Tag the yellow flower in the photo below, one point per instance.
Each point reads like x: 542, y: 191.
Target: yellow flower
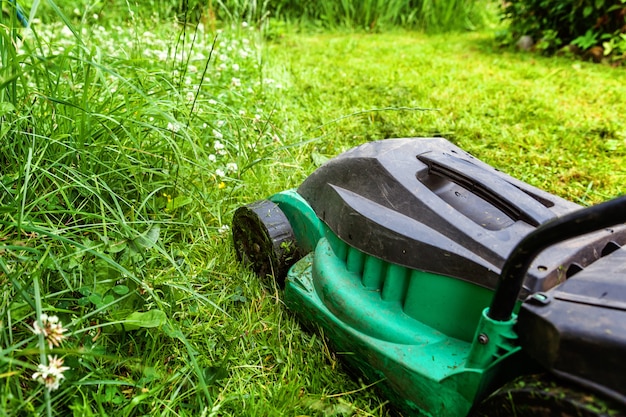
x: 221, y: 185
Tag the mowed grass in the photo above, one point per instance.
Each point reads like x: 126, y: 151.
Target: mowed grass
x: 554, y: 122
x: 178, y: 149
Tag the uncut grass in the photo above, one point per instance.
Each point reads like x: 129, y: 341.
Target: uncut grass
x: 117, y: 176
x: 377, y: 15
x: 371, y: 15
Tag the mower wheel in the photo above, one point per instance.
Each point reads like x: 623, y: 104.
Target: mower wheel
x: 544, y: 396
x: 264, y: 239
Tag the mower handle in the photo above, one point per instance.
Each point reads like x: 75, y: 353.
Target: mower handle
x: 514, y: 202
x: 562, y: 228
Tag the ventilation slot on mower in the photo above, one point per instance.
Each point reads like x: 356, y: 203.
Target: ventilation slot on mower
x: 609, y: 248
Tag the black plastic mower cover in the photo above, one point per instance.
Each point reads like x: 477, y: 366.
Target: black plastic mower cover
x: 427, y: 204
x: 578, y: 329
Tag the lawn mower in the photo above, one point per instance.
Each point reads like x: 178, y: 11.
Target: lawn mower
x: 461, y: 289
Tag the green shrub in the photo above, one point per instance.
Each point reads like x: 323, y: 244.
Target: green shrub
x: 584, y: 24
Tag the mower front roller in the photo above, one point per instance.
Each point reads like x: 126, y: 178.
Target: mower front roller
x: 272, y: 235
x: 264, y: 239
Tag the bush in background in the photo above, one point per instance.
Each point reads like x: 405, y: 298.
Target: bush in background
x: 594, y: 28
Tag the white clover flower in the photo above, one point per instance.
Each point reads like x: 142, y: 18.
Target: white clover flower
x: 224, y: 229
x: 212, y: 158
x: 235, y: 67
x: 174, y: 127
x: 220, y: 173
x: 218, y: 146
x: 190, y: 96
x: 65, y: 31
x: 50, y: 375
x: 236, y: 82
x: 244, y: 24
x: 218, y: 135
x: 231, y: 167
x: 51, y: 329
x: 162, y: 55
x: 212, y: 102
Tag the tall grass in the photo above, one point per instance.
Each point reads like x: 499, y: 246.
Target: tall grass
x: 116, y: 152
x: 429, y: 15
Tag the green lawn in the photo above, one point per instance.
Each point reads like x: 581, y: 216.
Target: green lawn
x: 127, y: 149
x: 556, y: 123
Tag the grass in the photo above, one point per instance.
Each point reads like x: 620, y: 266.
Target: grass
x: 127, y: 143
x: 553, y: 122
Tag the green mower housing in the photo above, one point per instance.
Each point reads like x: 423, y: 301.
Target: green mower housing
x: 459, y: 289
